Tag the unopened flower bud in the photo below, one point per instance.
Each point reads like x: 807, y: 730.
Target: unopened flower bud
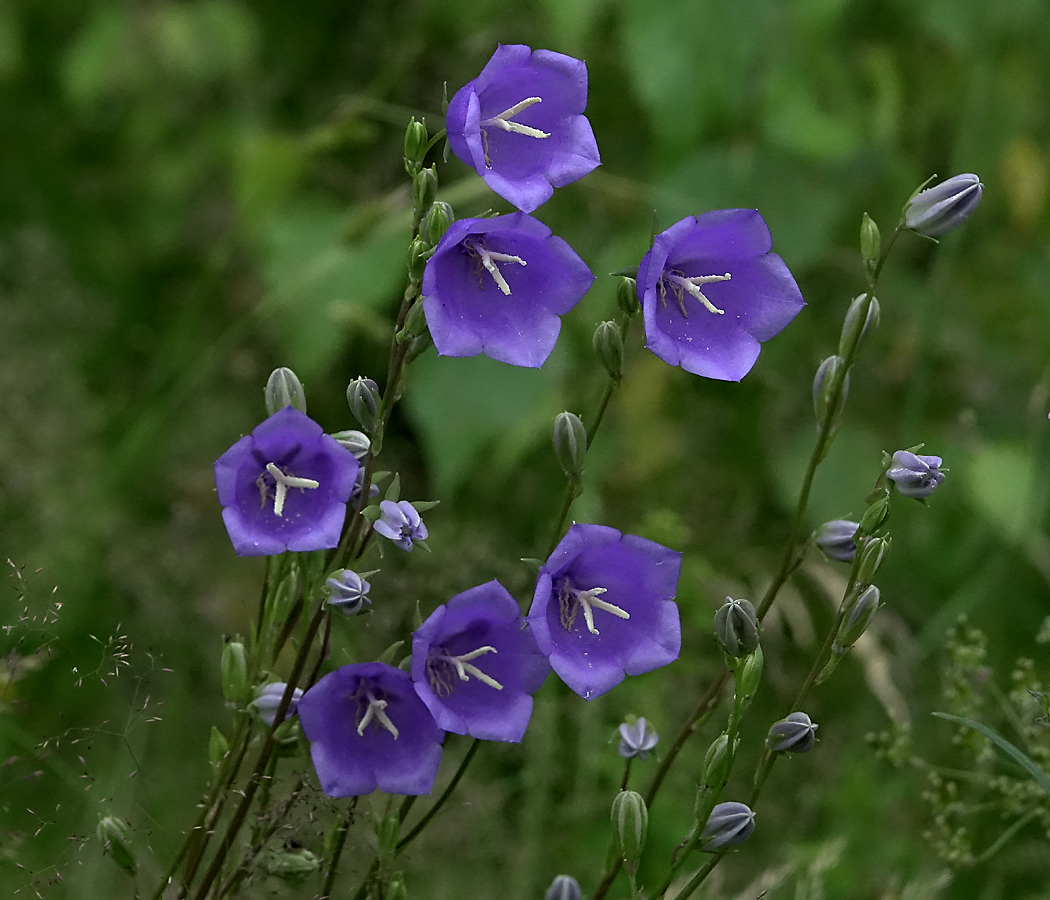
x: 290, y: 864
x: 418, y: 254
x: 570, y: 444
x: 794, y: 734
x: 637, y: 738
x: 115, y: 834
x: 609, y: 346
x: 945, y: 206
x: 872, y: 555
x: 749, y: 675
x: 387, y: 830
x: 416, y: 320
x: 736, y: 627
x: 363, y: 396
x: 863, y: 315
x: 717, y: 762
x: 830, y: 374
x: 218, y: 746
x: 233, y: 667
x: 283, y: 388
x: 269, y: 700
x: 876, y: 514
x: 630, y: 820
x: 858, y: 618
x: 415, y: 146
x: 396, y: 888
x: 729, y: 823
x: 348, y: 592
x: 424, y: 188
x: 357, y: 442
x: 627, y: 296
x: 436, y: 221
x: 870, y: 242
x: 835, y: 539
x: 915, y: 476
x: 564, y: 887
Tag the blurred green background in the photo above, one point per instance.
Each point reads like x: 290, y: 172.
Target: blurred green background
x: 194, y: 193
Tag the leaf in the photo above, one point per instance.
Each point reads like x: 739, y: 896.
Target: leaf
x: 422, y: 506
x: 1018, y: 756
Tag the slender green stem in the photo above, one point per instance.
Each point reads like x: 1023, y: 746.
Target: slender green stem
x: 337, y: 850
x: 445, y: 794
x: 626, y: 774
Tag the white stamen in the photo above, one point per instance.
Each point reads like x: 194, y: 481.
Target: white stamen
x: 376, y: 710
x: 465, y: 669
x: 283, y: 483
x: 692, y: 285
x: 489, y: 260
x: 503, y: 120
x: 587, y: 599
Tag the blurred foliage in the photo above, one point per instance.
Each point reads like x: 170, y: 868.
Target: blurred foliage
x: 192, y: 193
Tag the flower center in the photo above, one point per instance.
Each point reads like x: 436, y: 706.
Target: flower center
x: 487, y: 259
x: 374, y: 713
x: 443, y: 669
x: 681, y: 284
x: 571, y: 601
x: 282, y: 481
x: 505, y: 120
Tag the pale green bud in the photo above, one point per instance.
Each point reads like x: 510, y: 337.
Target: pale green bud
x: 415, y: 145
x: 717, y: 762
x: 870, y: 242
x: 283, y: 388
x: 570, y: 444
x: 871, y: 556
x: 218, y: 746
x: 863, y: 315
x: 627, y: 296
x: 288, y: 864
x: 609, y: 346
x: 630, y: 820
x: 115, y: 834
x: 233, y: 666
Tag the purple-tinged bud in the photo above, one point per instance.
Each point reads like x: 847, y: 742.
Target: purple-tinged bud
x: 637, y: 738
x: 269, y: 699
x: 877, y: 513
x: 630, y: 820
x: 564, y: 887
x: 830, y: 374
x: 233, y: 667
x: 348, y: 592
x: 871, y: 557
x: 870, y: 242
x: 357, y: 442
x: 835, y: 539
x: 570, y: 444
x: 283, y: 388
x: 717, y: 762
x: 424, y: 189
x: 627, y: 297
x: 945, y: 206
x: 218, y: 746
x: 863, y: 314
x: 362, y: 394
x: 794, y: 734
x: 415, y: 146
x: 749, y: 675
x: 858, y: 618
x: 290, y: 864
x: 400, y: 522
x: 915, y: 476
x: 436, y: 222
x: 115, y: 834
x: 736, y: 628
x: 729, y: 823
x: 609, y: 346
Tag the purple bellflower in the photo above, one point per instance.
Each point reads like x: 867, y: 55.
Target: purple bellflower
x: 285, y: 487
x: 603, y: 608
x: 476, y: 666
x: 498, y: 286
x: 520, y: 124
x: 915, y: 476
x: 637, y: 739
x: 945, y: 206
x: 269, y: 699
x: 711, y: 290
x: 368, y: 730
x: 399, y: 522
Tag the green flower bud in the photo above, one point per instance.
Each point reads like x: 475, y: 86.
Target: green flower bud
x: 436, y: 222
x: 387, y: 830
x: 627, y: 296
x: 218, y: 746
x: 395, y: 888
x: 418, y: 254
x: 749, y: 675
x: 356, y: 442
x: 863, y: 315
x: 115, y: 834
x: 609, y: 346
x: 570, y: 444
x: 291, y: 864
x: 871, y: 557
x: 870, y: 242
x: 362, y: 394
x: 283, y: 388
x: 415, y: 145
x: 736, y: 628
x: 630, y: 820
x: 876, y: 514
x: 233, y: 666
x: 858, y: 618
x: 717, y: 762
x: 830, y: 374
x: 424, y: 188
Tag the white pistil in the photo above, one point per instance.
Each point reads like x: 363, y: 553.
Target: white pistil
x: 376, y: 710
x: 489, y: 260
x: 587, y: 599
x: 283, y: 483
x: 692, y: 286
x: 465, y: 669
x: 504, y: 119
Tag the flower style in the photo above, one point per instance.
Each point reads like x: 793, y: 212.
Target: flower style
x: 399, y: 522
x: 520, y: 124
x: 603, y: 608
x: 711, y: 290
x: 269, y: 699
x: 915, y: 476
x: 498, y: 286
x: 367, y: 730
x: 476, y: 666
x: 945, y: 206
x: 285, y: 487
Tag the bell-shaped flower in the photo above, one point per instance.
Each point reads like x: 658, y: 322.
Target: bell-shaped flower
x: 399, y: 522
x: 498, y: 286
x: 915, y: 476
x: 520, y: 124
x: 637, y: 738
x: 711, y: 291
x: 348, y: 592
x: 603, y: 608
x: 285, y: 487
x: 476, y: 666
x: 945, y: 206
x: 368, y: 730
x: 730, y: 823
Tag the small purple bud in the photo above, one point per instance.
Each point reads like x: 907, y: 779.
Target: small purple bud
x: 348, y: 592
x: 736, y: 628
x: 945, y: 206
x: 269, y: 699
x: 835, y: 538
x: 399, y: 522
x: 915, y: 476
x: 794, y: 734
x: 564, y: 887
x: 637, y: 739
x: 730, y: 823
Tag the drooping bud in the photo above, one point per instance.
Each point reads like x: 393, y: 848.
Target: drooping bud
x: 870, y: 242
x: 717, y: 762
x: 871, y: 556
x: 945, y: 206
x: 736, y: 628
x: 630, y: 820
x: 627, y: 297
x: 415, y: 145
x: 915, y: 476
x: 858, y: 618
x: 218, y: 746
x: 290, y: 864
x: 609, y: 346
x: 637, y: 738
x: 363, y: 396
x: 729, y: 823
x: 348, y: 592
x: 794, y: 734
x: 570, y: 444
x: 835, y: 539
x: 115, y: 834
x: 830, y: 374
x: 863, y: 315
x: 233, y: 667
x: 564, y: 887
x: 283, y: 388
x: 357, y: 442
x: 424, y: 188
x: 749, y: 675
x: 876, y: 514
x: 436, y: 222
